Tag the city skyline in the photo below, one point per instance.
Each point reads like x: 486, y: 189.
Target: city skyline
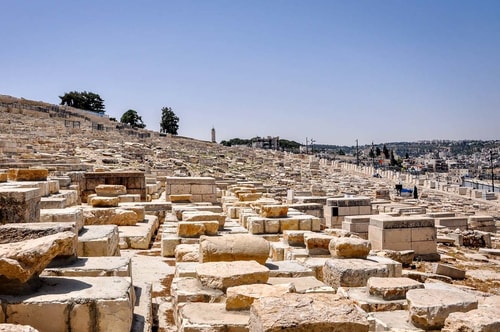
x: 334, y: 71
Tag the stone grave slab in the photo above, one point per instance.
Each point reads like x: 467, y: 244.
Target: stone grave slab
x: 99, y: 240
x: 429, y: 308
x: 74, y: 304
x: 138, y: 236
x: 70, y: 214
x: 211, y: 317
x: 110, y: 216
x: 242, y: 297
x: 306, y: 312
x: 392, y: 288
x: 93, y: 267
x: 221, y: 275
x: 21, y: 262
x: 352, y: 272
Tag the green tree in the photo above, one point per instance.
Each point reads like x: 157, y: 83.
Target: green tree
x: 132, y: 118
x: 89, y: 101
x: 393, y: 160
x: 386, y: 152
x: 371, y: 154
x: 169, y: 121
x: 378, y: 152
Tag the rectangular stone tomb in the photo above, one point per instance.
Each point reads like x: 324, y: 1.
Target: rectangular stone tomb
x: 101, y: 240
x: 404, y: 233
x: 19, y: 205
x: 140, y: 235
x: 73, y: 304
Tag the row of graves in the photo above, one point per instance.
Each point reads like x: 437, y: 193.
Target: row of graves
x: 252, y: 263
x: 244, y: 260
x: 61, y: 237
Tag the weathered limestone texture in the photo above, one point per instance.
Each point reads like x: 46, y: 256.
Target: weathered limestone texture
x: 234, y: 247
x: 221, y: 275
x: 135, y: 182
x: 99, y: 240
x: 110, y: 190
x: 103, y: 201
x: 483, y: 319
x: 273, y: 211
x: 392, y: 288
x: 242, y: 297
x: 429, y: 308
x: 352, y: 272
x: 211, y: 317
x: 32, y: 174
x: 202, y: 189
x: 197, y: 228
x: 404, y: 233
x: 74, y: 304
x: 348, y: 247
x: 306, y: 312
x: 24, y: 260
x: 19, y: 205
x: 110, y: 216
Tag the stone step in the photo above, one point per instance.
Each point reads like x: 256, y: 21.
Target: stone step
x: 74, y: 304
x: 138, y: 236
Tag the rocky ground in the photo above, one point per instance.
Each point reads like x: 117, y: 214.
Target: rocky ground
x: 29, y: 136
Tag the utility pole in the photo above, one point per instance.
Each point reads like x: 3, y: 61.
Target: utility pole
x: 357, y: 153
x: 373, y: 156
x: 307, y: 147
x: 312, y: 145
x: 492, y: 173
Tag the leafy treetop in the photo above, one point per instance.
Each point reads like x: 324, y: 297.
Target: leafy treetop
x: 169, y: 121
x: 89, y: 101
x: 133, y: 119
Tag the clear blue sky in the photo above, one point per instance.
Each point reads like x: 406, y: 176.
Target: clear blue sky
x: 332, y: 70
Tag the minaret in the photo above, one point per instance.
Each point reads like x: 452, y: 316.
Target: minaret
x: 213, y: 135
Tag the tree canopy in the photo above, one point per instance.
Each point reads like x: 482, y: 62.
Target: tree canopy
x: 169, y: 121
x: 133, y: 119
x: 89, y: 101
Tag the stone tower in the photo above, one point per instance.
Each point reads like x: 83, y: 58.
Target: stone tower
x: 213, y: 135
